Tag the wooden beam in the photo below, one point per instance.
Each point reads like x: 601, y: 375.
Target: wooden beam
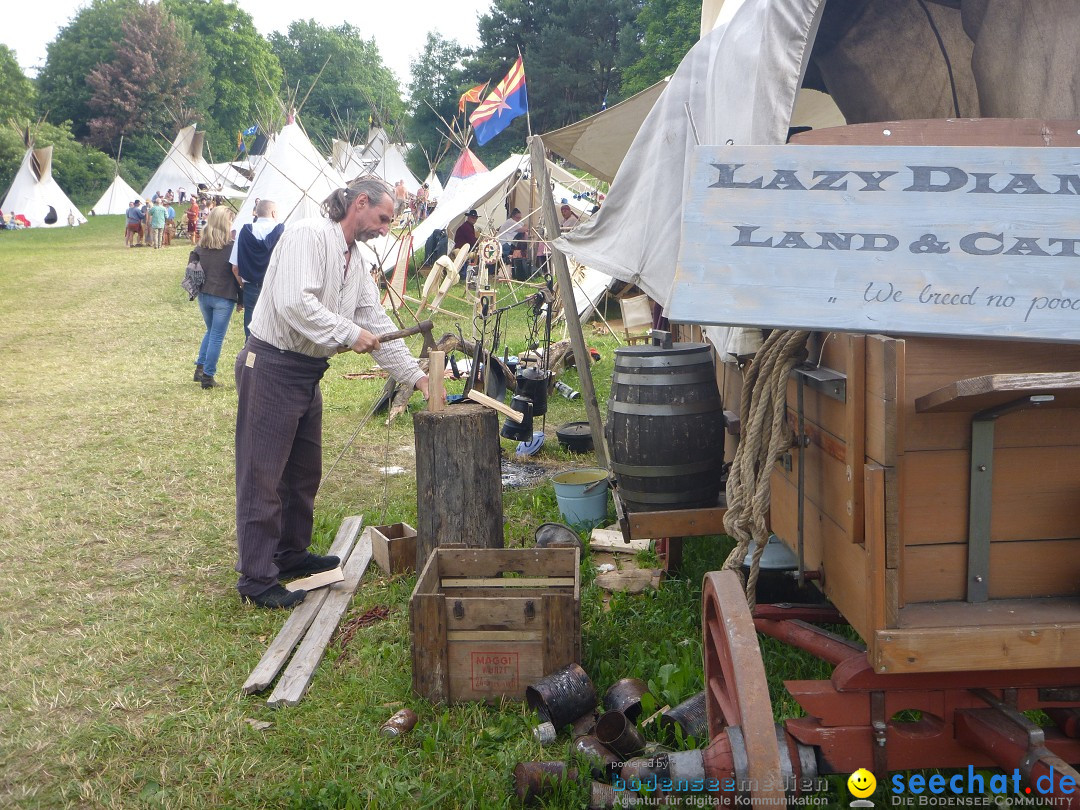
x: 436, y: 387
x: 677, y: 523
x: 501, y: 407
x: 562, y: 275
x: 300, y: 618
x: 294, y: 682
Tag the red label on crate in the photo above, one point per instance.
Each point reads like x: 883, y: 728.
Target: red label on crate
x: 494, y: 671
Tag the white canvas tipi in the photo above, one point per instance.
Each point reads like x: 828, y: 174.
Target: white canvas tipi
x: 392, y: 168
x: 185, y: 167
x: 35, y: 194
x: 116, y: 199
x: 294, y: 175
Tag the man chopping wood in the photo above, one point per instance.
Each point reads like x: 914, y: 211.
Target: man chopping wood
x: 317, y: 300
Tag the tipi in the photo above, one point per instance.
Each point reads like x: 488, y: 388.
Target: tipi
x: 185, y: 167
x: 116, y: 199
x: 35, y: 194
x: 293, y: 174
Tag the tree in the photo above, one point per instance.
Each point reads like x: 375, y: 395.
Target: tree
x: 438, y: 80
x: 155, y: 74
x: 246, y: 74
x: 341, y: 74
x: 16, y: 90
x: 666, y: 30
x: 87, y: 41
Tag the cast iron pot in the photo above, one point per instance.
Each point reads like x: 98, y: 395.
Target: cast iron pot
x: 575, y: 437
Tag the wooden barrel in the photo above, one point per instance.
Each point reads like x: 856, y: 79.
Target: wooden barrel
x: 665, y: 427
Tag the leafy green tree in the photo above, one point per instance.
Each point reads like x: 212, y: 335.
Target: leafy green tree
x: 87, y: 41
x: 246, y: 74
x: 155, y: 73
x: 342, y: 76
x: 16, y: 90
x: 666, y: 30
x: 438, y: 80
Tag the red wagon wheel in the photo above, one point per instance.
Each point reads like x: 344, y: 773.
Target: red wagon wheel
x: 736, y: 691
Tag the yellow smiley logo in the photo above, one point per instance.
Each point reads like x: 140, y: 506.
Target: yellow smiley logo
x: 861, y: 783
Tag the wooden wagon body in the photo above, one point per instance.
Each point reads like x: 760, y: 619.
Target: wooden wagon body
x: 888, y: 503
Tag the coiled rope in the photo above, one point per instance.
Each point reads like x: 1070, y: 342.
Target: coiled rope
x: 764, y: 437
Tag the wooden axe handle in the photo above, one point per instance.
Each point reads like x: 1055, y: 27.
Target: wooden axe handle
x: 423, y: 326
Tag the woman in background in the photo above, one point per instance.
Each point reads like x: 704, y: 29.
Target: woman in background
x: 220, y: 292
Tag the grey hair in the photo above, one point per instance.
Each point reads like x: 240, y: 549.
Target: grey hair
x: 337, y: 204
x: 264, y: 208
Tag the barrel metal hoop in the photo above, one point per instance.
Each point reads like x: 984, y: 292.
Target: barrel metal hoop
x: 658, y: 471
x: 687, y: 496
x: 686, y: 409
x: 703, y: 376
x: 664, y: 361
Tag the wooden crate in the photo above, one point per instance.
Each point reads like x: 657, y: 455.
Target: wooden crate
x: 486, y: 623
x: 393, y: 547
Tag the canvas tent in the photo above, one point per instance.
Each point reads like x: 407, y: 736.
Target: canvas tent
x: 36, y: 195
x: 116, y: 199
x: 392, y: 168
x: 739, y: 82
x: 293, y: 174
x: 435, y: 186
x: 185, y: 167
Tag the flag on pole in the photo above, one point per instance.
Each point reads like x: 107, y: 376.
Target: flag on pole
x: 505, y: 103
x: 474, y: 95
x: 252, y: 129
x: 240, y: 141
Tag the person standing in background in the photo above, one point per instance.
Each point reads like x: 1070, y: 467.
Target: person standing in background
x: 220, y: 292
x: 251, y: 254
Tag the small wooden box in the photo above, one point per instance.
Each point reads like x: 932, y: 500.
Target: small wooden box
x: 394, y: 547
x: 480, y: 634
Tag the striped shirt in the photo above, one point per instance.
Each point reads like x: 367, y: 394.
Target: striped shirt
x: 317, y: 295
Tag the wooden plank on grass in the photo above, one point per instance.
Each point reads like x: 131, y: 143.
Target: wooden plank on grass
x: 294, y: 682
x: 300, y: 618
x: 612, y: 540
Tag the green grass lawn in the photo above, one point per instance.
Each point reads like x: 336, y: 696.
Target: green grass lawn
x: 123, y: 644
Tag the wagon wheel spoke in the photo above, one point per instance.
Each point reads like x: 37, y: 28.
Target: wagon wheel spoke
x: 736, y: 691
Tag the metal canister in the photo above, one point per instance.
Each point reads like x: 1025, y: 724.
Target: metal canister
x: 602, y: 760
x: 625, y: 696
x: 400, y: 722
x: 563, y: 696
x: 689, y: 716
x: 533, y: 779
x: 619, y: 734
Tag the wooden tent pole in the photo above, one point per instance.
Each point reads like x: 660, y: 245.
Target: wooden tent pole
x: 562, y: 275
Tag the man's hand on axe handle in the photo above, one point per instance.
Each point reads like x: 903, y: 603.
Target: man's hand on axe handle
x: 367, y: 342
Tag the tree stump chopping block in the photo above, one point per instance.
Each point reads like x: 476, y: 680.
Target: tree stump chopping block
x: 458, y: 479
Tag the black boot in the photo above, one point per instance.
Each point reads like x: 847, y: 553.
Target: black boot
x: 209, y: 382
x: 198, y: 373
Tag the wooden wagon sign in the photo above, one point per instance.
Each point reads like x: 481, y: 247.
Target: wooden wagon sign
x: 973, y: 241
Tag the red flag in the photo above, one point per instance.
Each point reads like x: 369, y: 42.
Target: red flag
x: 473, y: 95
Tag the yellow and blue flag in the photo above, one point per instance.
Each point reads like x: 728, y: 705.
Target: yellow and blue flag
x: 505, y: 103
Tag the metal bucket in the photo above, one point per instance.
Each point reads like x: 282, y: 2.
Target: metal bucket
x: 689, y: 716
x: 615, y: 731
x: 563, y: 696
x: 625, y: 696
x: 665, y: 427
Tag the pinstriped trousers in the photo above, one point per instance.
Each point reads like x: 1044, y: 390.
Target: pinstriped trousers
x: 278, y: 460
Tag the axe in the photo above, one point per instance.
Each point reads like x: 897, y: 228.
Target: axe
x: 423, y: 328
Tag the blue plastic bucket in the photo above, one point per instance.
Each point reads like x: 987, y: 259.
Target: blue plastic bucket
x: 578, y: 506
